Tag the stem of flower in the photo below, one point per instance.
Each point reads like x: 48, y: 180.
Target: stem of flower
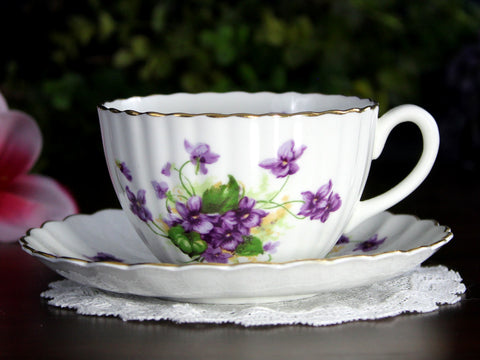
x: 276, y: 205
x: 279, y: 191
x: 195, y: 259
x: 155, y: 232
x: 118, y: 177
x: 191, y: 186
x: 181, y: 177
x: 171, y: 197
x: 159, y: 228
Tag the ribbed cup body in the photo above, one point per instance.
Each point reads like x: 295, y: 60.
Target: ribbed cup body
x: 238, y: 188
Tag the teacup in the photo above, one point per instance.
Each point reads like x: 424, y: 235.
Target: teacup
x: 251, y: 177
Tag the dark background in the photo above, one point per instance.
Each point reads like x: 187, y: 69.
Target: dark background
x: 61, y: 58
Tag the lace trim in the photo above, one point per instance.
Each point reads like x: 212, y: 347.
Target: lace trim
x: 420, y: 290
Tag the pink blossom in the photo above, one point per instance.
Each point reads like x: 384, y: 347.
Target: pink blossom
x: 26, y: 200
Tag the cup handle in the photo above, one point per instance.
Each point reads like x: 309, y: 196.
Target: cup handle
x: 428, y: 127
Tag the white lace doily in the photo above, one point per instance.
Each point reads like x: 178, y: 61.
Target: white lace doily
x: 420, y: 290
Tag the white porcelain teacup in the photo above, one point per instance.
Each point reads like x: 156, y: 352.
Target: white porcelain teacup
x: 249, y: 177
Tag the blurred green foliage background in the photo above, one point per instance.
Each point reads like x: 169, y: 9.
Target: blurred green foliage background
x: 61, y: 58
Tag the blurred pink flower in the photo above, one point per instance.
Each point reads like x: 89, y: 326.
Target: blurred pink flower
x: 26, y: 200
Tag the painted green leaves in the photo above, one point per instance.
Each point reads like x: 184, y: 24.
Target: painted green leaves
x: 190, y: 243
x: 252, y: 246
x: 221, y: 198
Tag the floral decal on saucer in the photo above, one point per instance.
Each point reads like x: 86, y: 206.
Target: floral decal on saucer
x: 221, y: 222
x: 363, y: 246
x: 103, y: 256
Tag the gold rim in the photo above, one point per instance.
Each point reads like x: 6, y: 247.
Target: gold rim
x: 373, y: 105
x: 26, y: 246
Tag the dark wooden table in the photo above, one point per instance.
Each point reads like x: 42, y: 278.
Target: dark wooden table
x: 30, y: 328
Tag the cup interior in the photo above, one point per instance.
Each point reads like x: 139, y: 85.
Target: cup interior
x: 239, y: 103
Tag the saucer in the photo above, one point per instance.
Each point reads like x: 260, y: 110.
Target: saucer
x: 102, y: 250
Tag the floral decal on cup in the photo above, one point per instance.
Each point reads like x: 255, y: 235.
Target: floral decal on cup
x: 222, y: 222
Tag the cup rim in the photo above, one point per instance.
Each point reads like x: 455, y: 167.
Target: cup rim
x: 371, y: 106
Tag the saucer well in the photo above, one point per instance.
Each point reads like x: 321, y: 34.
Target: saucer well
x: 102, y: 250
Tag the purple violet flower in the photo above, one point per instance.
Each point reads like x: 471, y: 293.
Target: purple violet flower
x: 371, y: 244
x: 231, y: 227
x: 333, y: 204
x: 271, y: 247
x: 200, y: 155
x: 192, y: 218
x: 319, y: 206
x: 343, y: 240
x: 102, y: 256
x: 226, y: 233
x: 160, y: 188
x: 227, y: 220
x: 124, y: 169
x: 248, y: 217
x: 226, y: 238
x: 315, y: 202
x: 216, y: 255
x: 166, y: 169
x: 285, y: 164
x: 172, y: 220
x: 137, y: 205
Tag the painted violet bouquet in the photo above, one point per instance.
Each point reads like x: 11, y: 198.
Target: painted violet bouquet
x: 221, y: 222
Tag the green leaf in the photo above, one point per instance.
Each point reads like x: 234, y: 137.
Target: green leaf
x: 198, y: 246
x: 221, y: 198
x: 251, y: 247
x: 176, y: 233
x: 185, y: 245
x: 189, y: 243
x: 193, y: 236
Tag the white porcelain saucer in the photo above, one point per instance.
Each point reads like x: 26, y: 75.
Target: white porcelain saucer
x: 103, y: 251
